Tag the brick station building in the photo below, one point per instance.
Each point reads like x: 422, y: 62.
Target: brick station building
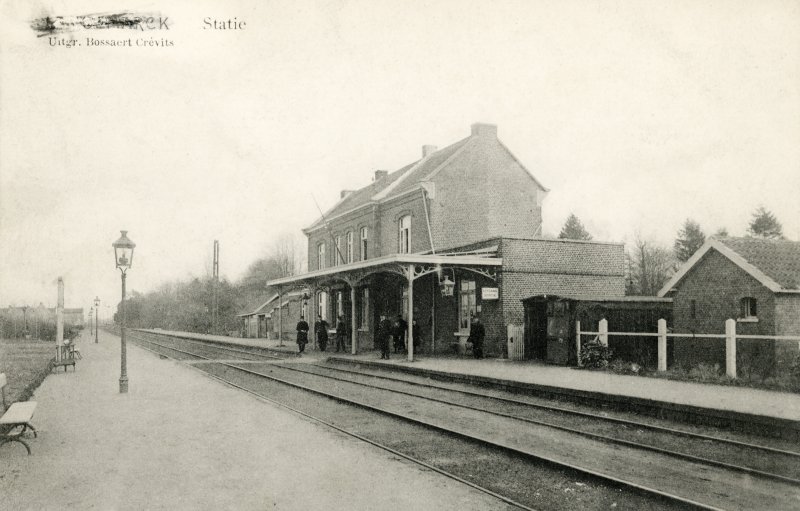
x: 469, y: 214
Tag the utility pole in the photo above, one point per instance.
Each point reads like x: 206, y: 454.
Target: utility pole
x: 215, y: 284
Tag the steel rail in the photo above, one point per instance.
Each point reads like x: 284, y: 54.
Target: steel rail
x: 350, y: 433
x: 579, y: 413
x: 593, y: 473
x: 595, y: 436
x: 626, y: 422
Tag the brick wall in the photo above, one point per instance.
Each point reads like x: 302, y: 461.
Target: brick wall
x: 787, y: 322
x: 390, y: 214
x: 351, y: 222
x: 484, y: 193
x: 717, y: 286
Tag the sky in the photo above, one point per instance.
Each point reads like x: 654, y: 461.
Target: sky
x: 635, y: 114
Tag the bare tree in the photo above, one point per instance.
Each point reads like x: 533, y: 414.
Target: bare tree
x: 651, y: 266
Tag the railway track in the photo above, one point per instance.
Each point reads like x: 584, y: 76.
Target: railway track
x: 724, y: 482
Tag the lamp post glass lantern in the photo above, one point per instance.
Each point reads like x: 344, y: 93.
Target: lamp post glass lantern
x: 123, y: 257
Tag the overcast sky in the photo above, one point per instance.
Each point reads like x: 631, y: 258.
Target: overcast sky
x: 635, y: 114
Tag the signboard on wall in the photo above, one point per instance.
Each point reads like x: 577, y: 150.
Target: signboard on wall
x: 490, y: 293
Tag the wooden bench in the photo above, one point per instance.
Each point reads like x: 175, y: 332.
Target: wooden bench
x: 16, y: 420
x: 67, y: 357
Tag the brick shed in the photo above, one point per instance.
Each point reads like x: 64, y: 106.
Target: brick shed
x: 754, y: 281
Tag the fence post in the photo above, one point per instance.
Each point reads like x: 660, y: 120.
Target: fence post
x: 662, y: 345
x: 603, y: 330
x: 578, y: 341
x: 730, y: 348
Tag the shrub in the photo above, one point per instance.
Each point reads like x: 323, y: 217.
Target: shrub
x: 620, y: 366
x: 705, y: 372
x: 595, y: 355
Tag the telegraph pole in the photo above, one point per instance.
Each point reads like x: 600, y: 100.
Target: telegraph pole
x: 215, y: 284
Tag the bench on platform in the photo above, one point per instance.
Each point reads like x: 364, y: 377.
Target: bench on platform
x: 68, y: 354
x: 16, y: 419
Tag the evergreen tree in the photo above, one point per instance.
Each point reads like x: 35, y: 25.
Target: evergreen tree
x: 689, y: 239
x: 574, y: 230
x: 765, y: 225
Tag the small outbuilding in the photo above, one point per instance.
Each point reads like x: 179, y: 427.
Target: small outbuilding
x: 752, y: 280
x: 551, y: 321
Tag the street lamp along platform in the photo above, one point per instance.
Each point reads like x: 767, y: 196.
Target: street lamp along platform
x: 123, y: 257
x: 96, y: 317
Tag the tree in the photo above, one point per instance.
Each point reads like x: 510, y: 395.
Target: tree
x: 765, y: 225
x: 573, y: 229
x: 690, y: 238
x: 722, y: 232
x: 650, y: 266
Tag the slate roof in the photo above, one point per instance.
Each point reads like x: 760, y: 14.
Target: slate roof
x: 778, y: 259
x: 408, y: 178
x: 774, y: 263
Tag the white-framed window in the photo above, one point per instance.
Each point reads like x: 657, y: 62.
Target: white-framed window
x: 365, y: 308
x: 749, y: 307
x: 349, y: 247
x: 467, y: 305
x: 404, y: 239
x: 322, y: 305
x: 321, y: 256
x: 337, y: 256
x: 364, y: 243
x: 339, y: 304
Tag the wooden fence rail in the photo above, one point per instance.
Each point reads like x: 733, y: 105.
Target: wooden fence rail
x: 730, y: 337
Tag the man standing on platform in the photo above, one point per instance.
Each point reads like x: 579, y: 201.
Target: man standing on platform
x: 302, y: 335
x: 341, y: 334
x: 400, y: 329
x: 321, y: 327
x: 385, y: 336
x: 476, y: 336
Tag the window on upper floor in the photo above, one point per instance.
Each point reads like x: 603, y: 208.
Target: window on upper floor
x: 364, y: 242
x: 321, y: 256
x: 337, y: 255
x: 348, y: 253
x: 749, y: 308
x: 404, y: 239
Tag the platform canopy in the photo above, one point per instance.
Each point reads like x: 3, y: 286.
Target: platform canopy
x: 409, y: 266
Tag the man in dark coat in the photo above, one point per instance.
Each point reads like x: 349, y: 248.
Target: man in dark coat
x: 399, y: 333
x: 302, y: 335
x: 321, y: 328
x: 384, y: 336
x: 476, y: 336
x: 417, y: 337
x: 341, y: 334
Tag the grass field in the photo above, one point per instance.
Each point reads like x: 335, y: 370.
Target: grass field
x: 25, y: 363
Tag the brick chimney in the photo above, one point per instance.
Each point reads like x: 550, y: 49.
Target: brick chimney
x: 345, y: 193
x: 380, y: 174
x: 428, y: 149
x: 484, y: 130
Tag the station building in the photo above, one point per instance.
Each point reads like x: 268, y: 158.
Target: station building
x: 454, y: 234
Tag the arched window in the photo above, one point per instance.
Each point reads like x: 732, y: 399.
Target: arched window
x: 364, y: 243
x: 349, y: 251
x: 337, y: 256
x: 749, y: 308
x: 404, y: 246
x: 321, y: 256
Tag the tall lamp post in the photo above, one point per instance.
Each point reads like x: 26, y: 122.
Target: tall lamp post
x: 123, y: 255
x: 97, y: 315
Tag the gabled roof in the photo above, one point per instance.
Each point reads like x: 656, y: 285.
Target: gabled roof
x: 774, y: 263
x: 408, y: 178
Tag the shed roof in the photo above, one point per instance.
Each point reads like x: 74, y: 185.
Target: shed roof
x: 774, y: 263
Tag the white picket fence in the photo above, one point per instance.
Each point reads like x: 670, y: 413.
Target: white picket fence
x: 730, y: 337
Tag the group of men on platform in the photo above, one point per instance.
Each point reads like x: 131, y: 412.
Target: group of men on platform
x: 388, y: 334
